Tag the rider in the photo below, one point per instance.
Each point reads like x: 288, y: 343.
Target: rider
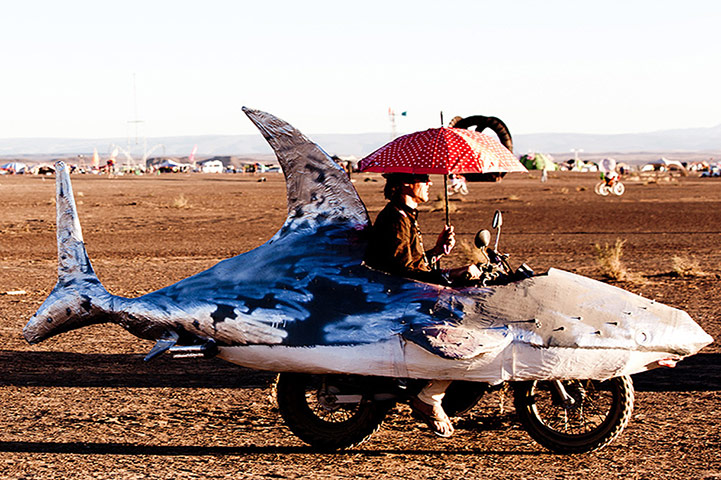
x: 457, y: 182
x: 396, y: 246
x: 607, y: 166
x: 609, y: 177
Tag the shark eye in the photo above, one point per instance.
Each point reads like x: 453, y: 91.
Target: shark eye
x: 641, y: 337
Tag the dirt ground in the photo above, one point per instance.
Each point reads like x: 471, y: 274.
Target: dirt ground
x: 85, y: 405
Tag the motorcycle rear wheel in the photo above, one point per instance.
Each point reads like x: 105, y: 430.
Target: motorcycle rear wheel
x: 600, y: 413
x: 307, y: 407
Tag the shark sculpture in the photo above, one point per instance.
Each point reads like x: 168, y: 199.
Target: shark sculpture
x: 305, y: 302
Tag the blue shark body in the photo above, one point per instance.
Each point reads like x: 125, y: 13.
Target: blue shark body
x: 305, y: 302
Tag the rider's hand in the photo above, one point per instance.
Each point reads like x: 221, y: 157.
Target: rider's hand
x: 474, y: 272
x: 464, y: 274
x: 446, y: 241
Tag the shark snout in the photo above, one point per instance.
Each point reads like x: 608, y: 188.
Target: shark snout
x: 681, y: 336
x: 691, y: 338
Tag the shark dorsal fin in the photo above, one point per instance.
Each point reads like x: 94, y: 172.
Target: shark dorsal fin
x: 319, y: 190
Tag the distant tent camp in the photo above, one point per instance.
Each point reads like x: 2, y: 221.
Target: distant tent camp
x: 573, y: 165
x: 538, y: 161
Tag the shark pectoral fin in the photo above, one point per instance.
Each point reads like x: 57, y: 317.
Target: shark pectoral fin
x: 456, y: 342
x: 167, y: 340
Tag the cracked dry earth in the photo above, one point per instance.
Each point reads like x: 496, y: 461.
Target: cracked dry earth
x: 85, y: 405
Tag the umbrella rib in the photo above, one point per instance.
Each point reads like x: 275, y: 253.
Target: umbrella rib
x: 436, y: 148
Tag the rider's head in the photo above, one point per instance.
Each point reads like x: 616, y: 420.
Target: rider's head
x: 400, y: 183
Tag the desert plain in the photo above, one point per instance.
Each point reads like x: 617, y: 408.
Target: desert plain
x: 85, y: 405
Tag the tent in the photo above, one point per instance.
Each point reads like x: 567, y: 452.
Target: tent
x: 15, y: 167
x: 212, y: 166
x: 169, y: 165
x: 43, y: 169
x: 663, y: 165
x: 538, y: 161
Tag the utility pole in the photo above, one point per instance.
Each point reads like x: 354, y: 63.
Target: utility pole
x: 137, y: 121
x: 392, y: 118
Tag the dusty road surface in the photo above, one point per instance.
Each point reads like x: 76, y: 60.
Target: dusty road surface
x: 85, y: 405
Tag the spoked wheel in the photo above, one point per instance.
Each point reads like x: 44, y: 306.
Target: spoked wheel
x: 596, y: 415
x: 618, y: 188
x: 601, y: 189
x: 310, y: 406
x: 463, y: 190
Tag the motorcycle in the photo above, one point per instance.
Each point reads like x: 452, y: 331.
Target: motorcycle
x: 304, y: 304
x: 331, y: 412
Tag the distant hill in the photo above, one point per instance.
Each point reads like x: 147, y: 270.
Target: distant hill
x: 359, y: 145
x: 680, y: 140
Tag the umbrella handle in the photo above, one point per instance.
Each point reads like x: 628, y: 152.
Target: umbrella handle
x: 445, y: 196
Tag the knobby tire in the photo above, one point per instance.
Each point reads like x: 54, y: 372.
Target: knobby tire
x: 326, y: 427
x: 601, y: 412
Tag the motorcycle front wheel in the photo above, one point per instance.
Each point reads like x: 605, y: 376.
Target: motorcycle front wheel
x: 618, y: 189
x: 308, y: 405
x: 598, y: 414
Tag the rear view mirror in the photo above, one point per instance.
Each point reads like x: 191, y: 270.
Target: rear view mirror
x: 483, y: 239
x: 497, y: 219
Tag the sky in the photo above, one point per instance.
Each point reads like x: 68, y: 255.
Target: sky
x: 99, y: 69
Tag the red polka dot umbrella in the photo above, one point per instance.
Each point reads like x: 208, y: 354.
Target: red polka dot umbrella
x: 442, y: 150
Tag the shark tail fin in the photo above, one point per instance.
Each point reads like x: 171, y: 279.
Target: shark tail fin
x: 78, y: 298
x: 72, y: 257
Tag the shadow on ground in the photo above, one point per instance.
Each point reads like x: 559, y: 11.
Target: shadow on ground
x: 194, y: 450
x: 64, y: 369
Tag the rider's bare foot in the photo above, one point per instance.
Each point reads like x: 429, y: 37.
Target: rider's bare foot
x: 433, y: 416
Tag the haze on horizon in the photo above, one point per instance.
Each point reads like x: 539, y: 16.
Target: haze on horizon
x: 82, y: 69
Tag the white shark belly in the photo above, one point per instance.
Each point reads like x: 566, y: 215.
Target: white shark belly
x: 401, y: 359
